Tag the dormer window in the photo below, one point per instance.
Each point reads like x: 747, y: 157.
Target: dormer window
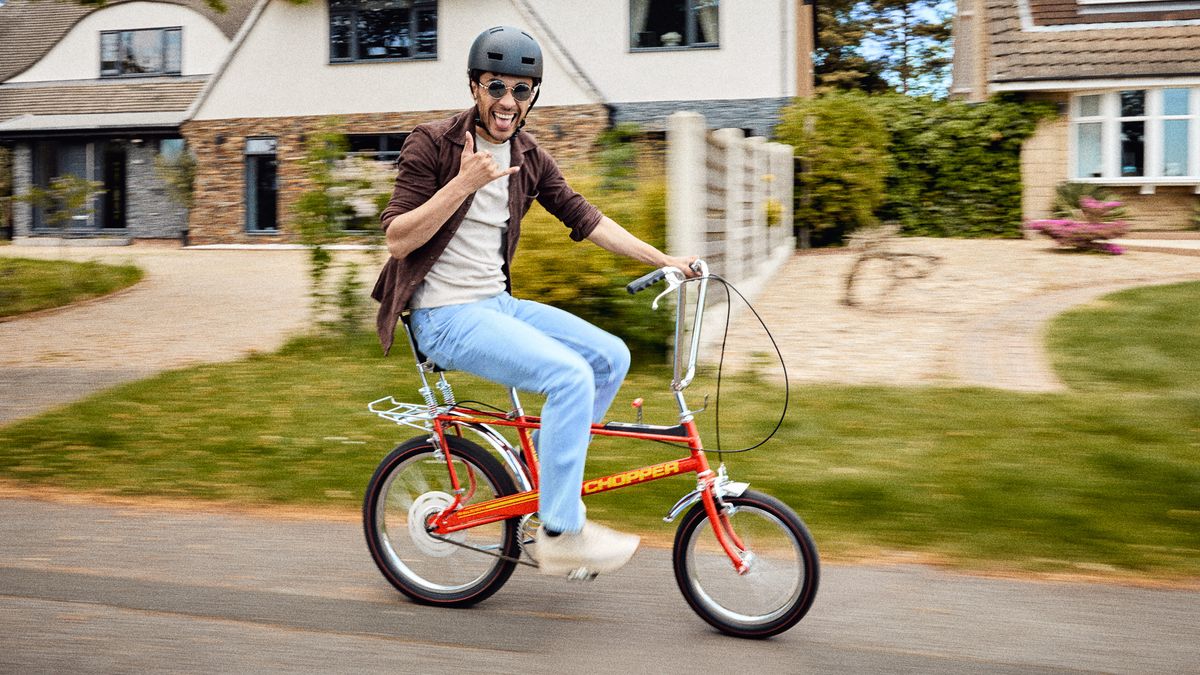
x: 382, y: 30
x: 150, y: 51
x: 668, y: 24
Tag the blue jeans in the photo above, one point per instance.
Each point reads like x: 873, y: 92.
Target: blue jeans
x: 538, y: 348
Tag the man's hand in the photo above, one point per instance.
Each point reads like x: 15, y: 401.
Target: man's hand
x: 683, y: 264
x: 477, y: 169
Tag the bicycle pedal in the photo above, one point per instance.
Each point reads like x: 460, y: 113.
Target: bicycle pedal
x: 582, y: 574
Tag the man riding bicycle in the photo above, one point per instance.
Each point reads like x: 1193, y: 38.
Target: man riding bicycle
x: 452, y: 225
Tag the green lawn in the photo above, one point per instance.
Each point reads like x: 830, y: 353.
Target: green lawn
x: 1104, y: 479
x: 30, y: 285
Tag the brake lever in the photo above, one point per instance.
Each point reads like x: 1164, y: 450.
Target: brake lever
x: 674, y: 279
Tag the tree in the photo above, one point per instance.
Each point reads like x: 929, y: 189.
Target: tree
x: 178, y: 173
x: 883, y: 45
x: 66, y: 198
x: 320, y: 216
x: 839, y: 62
x: 913, y: 37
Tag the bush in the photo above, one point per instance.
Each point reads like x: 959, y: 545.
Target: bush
x: 939, y: 168
x: 1097, y: 222
x: 956, y: 166
x: 841, y: 142
x: 588, y: 281
x: 1068, y: 200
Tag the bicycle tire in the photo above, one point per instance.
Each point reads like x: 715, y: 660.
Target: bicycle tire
x: 410, y: 484
x: 780, y: 586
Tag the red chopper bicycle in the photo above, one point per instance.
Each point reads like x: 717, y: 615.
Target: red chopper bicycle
x: 447, y: 522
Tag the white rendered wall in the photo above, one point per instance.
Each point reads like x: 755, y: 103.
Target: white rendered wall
x: 77, y: 55
x: 756, y: 57
x: 282, y: 68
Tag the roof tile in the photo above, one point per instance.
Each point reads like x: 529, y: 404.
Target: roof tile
x: 1064, y: 54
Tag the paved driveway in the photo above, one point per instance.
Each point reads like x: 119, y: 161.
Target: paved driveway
x: 193, y: 306
x: 976, y: 319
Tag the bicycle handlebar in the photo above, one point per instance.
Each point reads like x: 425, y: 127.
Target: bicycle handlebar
x: 645, y: 281
x: 676, y: 282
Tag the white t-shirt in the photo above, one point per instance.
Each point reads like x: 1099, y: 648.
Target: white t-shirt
x: 472, y: 266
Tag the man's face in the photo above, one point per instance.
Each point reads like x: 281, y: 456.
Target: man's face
x: 501, y: 116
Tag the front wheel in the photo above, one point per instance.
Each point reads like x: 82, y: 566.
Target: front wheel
x: 412, y: 485
x: 778, y: 589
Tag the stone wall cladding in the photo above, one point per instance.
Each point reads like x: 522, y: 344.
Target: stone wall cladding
x: 1169, y: 208
x: 219, y: 215
x: 757, y: 115
x: 150, y: 212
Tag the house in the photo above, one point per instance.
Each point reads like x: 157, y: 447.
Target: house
x: 245, y: 89
x: 1125, y: 75
x: 100, y: 94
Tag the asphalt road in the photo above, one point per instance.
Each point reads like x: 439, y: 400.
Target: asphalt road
x: 102, y: 588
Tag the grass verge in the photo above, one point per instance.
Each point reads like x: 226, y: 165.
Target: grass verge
x: 1101, y: 480
x: 31, y: 285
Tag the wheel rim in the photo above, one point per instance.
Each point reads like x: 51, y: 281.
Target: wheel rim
x: 772, y: 586
x: 417, y: 489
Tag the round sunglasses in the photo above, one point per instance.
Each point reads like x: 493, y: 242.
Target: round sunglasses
x: 496, y: 89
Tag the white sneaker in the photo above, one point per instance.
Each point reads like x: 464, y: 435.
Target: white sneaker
x: 593, y: 550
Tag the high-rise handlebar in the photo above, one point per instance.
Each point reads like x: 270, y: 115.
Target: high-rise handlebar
x: 677, y: 282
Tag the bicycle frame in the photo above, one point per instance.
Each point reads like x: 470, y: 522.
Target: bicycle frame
x: 438, y: 419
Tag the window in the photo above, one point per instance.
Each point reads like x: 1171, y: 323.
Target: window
x: 370, y: 30
x: 1139, y: 136
x: 90, y: 159
x: 154, y: 51
x: 171, y: 149
x: 262, y: 185
x: 656, y: 24
x: 369, y: 171
x: 379, y: 147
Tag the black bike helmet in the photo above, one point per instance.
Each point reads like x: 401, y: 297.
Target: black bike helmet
x: 507, y: 51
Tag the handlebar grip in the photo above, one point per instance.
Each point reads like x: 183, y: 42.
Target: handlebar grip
x: 645, y: 281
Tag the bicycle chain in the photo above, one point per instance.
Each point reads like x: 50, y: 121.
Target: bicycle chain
x: 486, y: 552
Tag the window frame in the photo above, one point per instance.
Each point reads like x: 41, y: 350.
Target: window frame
x: 1154, y: 116
x: 256, y: 149
x: 352, y: 14
x: 691, y: 29
x: 165, y: 72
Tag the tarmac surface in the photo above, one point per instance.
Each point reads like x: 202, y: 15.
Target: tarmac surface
x: 88, y: 587
x: 93, y: 586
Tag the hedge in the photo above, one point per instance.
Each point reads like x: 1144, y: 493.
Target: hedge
x: 951, y: 168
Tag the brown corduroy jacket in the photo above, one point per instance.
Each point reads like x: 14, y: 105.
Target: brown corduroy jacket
x: 430, y: 159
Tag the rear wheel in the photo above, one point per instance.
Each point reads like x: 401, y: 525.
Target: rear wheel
x: 411, y: 485
x: 778, y: 589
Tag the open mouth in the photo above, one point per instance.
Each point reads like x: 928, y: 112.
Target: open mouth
x: 504, y: 123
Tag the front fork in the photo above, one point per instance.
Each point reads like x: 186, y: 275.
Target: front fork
x: 710, y: 490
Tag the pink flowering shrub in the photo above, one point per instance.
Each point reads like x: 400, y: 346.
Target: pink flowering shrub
x: 1088, y: 231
